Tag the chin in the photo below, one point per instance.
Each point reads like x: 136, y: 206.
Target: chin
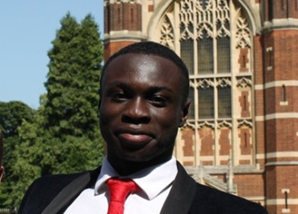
x: 136, y: 158
x: 146, y: 160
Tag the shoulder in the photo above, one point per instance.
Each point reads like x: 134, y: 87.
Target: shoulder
x: 51, y: 183
x: 212, y: 201
x: 54, y: 181
x: 44, y: 189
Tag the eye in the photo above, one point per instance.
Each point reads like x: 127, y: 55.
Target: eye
x: 118, y: 96
x: 158, y: 101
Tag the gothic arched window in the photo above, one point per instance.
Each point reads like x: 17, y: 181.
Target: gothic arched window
x: 214, y: 40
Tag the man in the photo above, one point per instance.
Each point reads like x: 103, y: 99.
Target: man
x: 1, y: 157
x: 143, y: 102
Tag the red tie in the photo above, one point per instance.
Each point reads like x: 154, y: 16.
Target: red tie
x: 119, y: 190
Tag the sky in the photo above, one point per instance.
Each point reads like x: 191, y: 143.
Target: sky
x: 27, y: 28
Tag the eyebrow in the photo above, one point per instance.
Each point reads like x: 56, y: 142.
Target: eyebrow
x: 118, y: 84
x: 160, y: 88
x: 152, y: 89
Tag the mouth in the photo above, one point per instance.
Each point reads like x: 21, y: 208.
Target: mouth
x: 134, y: 140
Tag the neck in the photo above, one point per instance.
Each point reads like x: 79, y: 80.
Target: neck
x: 125, y: 168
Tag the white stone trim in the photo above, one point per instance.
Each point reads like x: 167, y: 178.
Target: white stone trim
x: 124, y: 35
x: 283, y: 103
x: 260, y: 156
x: 276, y: 116
x: 281, y: 154
x: 255, y: 198
x: 259, y: 87
x: 282, y: 163
x: 281, y: 83
x: 284, y: 210
x: 289, y: 23
x: 281, y: 115
x: 276, y: 84
x: 259, y: 118
x: 291, y: 201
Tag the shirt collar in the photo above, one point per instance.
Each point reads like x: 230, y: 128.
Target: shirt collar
x: 152, y: 180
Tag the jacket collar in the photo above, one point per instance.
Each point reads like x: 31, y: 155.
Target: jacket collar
x: 181, y: 195
x: 179, y: 200
x: 71, y: 191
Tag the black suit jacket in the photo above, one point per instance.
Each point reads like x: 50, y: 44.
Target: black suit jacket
x: 53, y: 194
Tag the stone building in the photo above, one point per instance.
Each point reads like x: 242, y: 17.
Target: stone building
x: 242, y: 133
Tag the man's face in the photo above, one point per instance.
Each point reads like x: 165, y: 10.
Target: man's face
x: 141, y: 108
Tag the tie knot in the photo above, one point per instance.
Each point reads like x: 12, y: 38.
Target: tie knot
x: 120, y: 189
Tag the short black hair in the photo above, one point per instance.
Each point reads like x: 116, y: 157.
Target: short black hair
x: 1, y: 148
x: 153, y: 48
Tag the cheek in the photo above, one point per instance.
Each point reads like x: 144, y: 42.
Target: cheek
x: 107, y: 113
x: 168, y: 118
x: 106, y: 123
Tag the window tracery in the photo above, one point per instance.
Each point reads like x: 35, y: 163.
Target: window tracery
x: 215, y: 42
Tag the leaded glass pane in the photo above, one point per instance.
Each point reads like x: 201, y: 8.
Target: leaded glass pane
x: 205, y: 55
x: 187, y: 54
x: 224, y: 102
x: 191, y: 110
x: 223, y: 55
x: 206, y: 103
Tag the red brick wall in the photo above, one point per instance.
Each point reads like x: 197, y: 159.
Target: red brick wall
x: 225, y: 142
x: 123, y: 16
x: 188, y: 136
x: 112, y: 47
x: 281, y: 135
x: 245, y: 141
x: 259, y: 105
x: 293, y: 9
x: 260, y: 142
x: 207, y: 141
x: 243, y: 60
x: 245, y: 104
x: 278, y: 9
x: 258, y: 60
x: 267, y: 12
x: 250, y: 185
x: 284, y: 52
x: 278, y: 178
x: 274, y: 99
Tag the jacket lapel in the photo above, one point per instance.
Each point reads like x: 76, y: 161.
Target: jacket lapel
x: 70, y: 192
x: 179, y: 200
x: 181, y: 195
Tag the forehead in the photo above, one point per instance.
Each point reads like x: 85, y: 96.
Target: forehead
x: 139, y: 64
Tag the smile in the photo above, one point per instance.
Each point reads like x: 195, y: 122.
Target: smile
x: 134, y: 138
x: 134, y: 141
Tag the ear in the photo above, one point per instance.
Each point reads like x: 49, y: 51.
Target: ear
x: 184, y: 112
x: 1, y: 172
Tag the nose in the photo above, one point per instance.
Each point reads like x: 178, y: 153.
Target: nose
x: 136, y: 112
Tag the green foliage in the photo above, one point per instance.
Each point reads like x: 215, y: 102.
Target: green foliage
x: 23, y: 171
x: 71, y: 104
x: 63, y: 136
x: 12, y: 115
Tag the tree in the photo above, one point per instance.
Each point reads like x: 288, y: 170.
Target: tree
x: 64, y: 136
x: 72, y: 96
x: 12, y: 115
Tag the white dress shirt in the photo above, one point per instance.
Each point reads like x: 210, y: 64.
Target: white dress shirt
x: 155, y: 183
